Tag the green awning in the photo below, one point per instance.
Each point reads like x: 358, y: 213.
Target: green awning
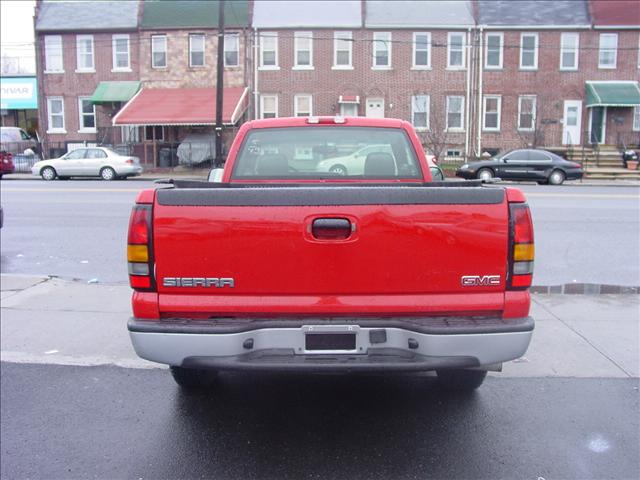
x: 613, y: 94
x: 115, y: 92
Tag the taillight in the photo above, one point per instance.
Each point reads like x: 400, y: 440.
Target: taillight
x: 521, y: 245
x: 129, y: 161
x: 139, y: 249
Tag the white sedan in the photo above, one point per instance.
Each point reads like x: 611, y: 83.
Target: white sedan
x: 89, y: 162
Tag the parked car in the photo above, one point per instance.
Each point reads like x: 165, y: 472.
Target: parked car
x: 89, y: 162
x: 352, y: 164
x: 379, y: 299
x: 15, y: 140
x: 6, y: 163
x: 524, y: 164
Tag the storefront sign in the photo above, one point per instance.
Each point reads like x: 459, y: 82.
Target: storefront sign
x: 18, y: 93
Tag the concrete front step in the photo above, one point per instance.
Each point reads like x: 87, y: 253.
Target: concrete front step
x: 600, y: 173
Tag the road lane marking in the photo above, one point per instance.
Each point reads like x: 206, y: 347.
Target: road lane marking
x: 580, y: 195
x: 67, y: 190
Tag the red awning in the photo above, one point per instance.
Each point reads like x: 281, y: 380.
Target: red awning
x: 349, y: 99
x: 182, y: 106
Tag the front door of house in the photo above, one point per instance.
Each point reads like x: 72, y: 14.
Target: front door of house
x: 596, y: 124
x: 375, y: 107
x: 572, y: 122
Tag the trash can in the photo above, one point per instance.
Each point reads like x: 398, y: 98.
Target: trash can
x: 164, y: 158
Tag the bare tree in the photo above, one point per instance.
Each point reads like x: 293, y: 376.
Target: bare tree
x: 539, y: 117
x: 436, y: 138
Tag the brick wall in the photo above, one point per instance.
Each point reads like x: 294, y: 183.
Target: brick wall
x: 178, y: 72
x: 70, y: 85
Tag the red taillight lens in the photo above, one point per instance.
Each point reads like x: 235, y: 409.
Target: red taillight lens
x: 129, y: 161
x: 521, y: 246
x: 139, y: 225
x: 139, y: 249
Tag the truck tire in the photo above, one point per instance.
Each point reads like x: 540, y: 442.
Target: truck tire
x: 461, y: 380
x: 193, y: 378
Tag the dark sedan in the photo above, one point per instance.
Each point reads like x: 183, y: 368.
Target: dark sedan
x: 525, y: 164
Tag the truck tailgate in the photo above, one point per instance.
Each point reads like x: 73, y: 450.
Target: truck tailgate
x: 407, y: 250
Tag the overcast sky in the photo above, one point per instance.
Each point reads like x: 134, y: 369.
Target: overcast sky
x: 16, y: 31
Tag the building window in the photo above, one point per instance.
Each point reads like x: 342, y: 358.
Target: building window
x: 154, y: 132
x: 493, y: 50
x: 159, y: 51
x: 526, y: 112
x: 638, y: 52
x: 268, y: 106
x: 381, y: 49
x: 420, y: 111
x: 196, y: 50
x: 569, y: 43
x: 608, y: 53
x: 455, y: 107
x: 303, y: 46
x: 55, y: 111
x: 342, y: 45
x: 53, y: 54
x: 231, y: 50
x: 302, y: 105
x: 130, y: 133
x: 421, y: 50
x: 491, y: 113
x: 349, y: 109
x: 529, y: 51
x: 84, y: 50
x: 269, y: 50
x: 636, y: 118
x: 121, y: 56
x: 87, y: 115
x: 455, y: 50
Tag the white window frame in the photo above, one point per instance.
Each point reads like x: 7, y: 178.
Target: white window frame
x: 450, y: 35
x: 193, y: 36
x: 535, y: 51
x: 114, y: 40
x: 461, y: 127
x: 49, y: 46
x: 227, y: 41
x: 427, y: 99
x: 165, y: 51
x: 297, y: 37
x: 263, y: 36
x: 500, y: 51
x: 639, y: 51
x: 81, y: 116
x: 498, y: 111
x: 50, y: 128
x: 636, y: 118
x: 533, y: 113
x: 380, y: 40
x: 275, y: 103
x: 576, y: 50
x: 601, y: 49
x: 345, y: 106
x: 296, y: 102
x: 415, y: 66
x: 347, y: 37
x: 79, y: 40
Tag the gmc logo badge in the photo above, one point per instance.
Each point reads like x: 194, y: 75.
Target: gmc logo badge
x: 480, y: 280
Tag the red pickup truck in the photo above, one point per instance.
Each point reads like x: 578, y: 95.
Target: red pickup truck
x: 288, y: 264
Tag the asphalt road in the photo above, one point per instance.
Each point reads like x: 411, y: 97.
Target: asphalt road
x: 77, y: 229
x: 109, y: 422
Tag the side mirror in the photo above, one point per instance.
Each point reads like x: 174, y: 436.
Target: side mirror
x: 215, y: 175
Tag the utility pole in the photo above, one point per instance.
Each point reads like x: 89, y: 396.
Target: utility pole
x: 220, y: 85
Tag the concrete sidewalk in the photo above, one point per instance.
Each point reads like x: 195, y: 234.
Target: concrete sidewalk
x: 49, y: 320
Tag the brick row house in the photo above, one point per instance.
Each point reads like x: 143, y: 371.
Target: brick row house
x: 81, y: 46
x: 472, y: 76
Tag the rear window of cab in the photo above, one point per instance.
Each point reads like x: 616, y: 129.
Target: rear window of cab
x: 325, y: 152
